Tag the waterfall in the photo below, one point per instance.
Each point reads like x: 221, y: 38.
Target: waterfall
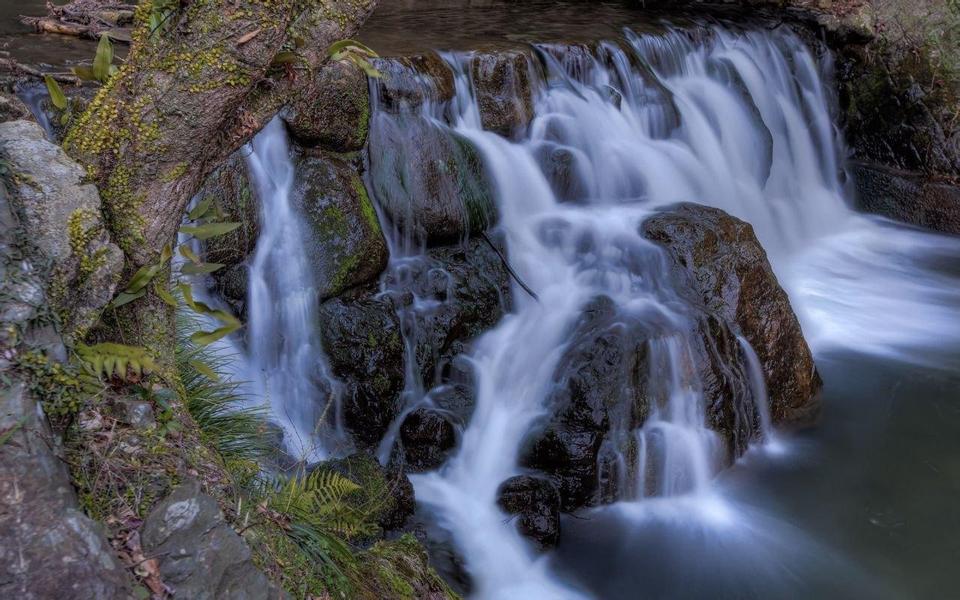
x: 739, y: 120
x: 287, y: 362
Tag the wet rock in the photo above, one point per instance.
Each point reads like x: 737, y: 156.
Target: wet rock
x: 138, y: 413
x: 601, y: 376
x: 560, y: 166
x: 409, y: 82
x: 48, y: 547
x: 429, y: 180
x: 536, y: 503
x: 361, y: 335
x: 337, y: 117
x: 200, y: 555
x: 908, y: 197
x: 732, y: 276
x: 343, y: 239
x: 502, y: 82
x: 233, y: 199
x: 427, y: 438
x: 61, y: 217
x: 468, y: 291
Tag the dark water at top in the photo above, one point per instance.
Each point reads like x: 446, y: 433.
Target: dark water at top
x: 404, y: 27
x: 24, y: 45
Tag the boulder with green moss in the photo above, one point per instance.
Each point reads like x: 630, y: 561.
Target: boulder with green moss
x: 337, y: 117
x: 343, y: 238
x: 61, y: 216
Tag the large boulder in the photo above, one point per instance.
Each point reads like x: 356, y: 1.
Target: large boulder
x: 343, y: 238
x: 61, y: 216
x: 536, y: 504
x: 362, y: 339
x: 429, y: 180
x: 502, y: 82
x: 427, y: 437
x: 410, y: 81
x: 48, y: 547
x: 439, y: 302
x: 733, y: 277
x: 338, y: 116
x: 908, y: 197
x: 200, y: 556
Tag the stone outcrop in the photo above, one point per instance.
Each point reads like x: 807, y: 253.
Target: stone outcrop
x: 62, y: 218
x: 503, y: 84
x: 908, y: 196
x: 536, y: 504
x: 338, y: 116
x: 343, y: 238
x: 48, y: 547
x: 200, y: 556
x: 732, y: 275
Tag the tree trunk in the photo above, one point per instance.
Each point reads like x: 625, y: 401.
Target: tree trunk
x: 191, y: 92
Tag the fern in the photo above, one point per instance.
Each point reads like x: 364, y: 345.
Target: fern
x: 112, y: 359
x: 323, y: 500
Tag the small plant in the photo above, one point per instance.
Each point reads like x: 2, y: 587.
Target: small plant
x: 103, y: 68
x: 355, y: 52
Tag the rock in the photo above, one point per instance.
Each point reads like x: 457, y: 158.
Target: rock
x: 343, y: 239
x: 337, y: 117
x: 138, y: 413
x: 409, y: 82
x: 560, y: 165
x: 733, y: 277
x: 61, y: 217
x: 502, y: 82
x: 536, y: 503
x: 427, y: 438
x: 908, y: 197
x: 429, y: 180
x: 602, y: 371
x: 200, y: 555
x: 361, y: 335
x: 234, y: 198
x: 12, y: 108
x: 466, y: 291
x: 48, y: 547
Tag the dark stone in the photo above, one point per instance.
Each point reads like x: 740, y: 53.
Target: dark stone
x: 337, y: 117
x: 427, y: 438
x: 429, y: 180
x: 234, y: 199
x: 343, y: 238
x: 502, y: 82
x: 908, y: 197
x: 361, y: 336
x: 200, y: 555
x: 410, y: 81
x: 560, y: 166
x: 733, y: 277
x: 600, y: 378
x: 12, y: 108
x: 536, y: 503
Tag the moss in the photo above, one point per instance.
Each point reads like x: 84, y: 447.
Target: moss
x: 367, y: 210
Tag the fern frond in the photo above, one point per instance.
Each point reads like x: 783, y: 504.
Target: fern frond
x: 111, y: 359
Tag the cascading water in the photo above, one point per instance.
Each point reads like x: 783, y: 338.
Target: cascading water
x: 737, y: 120
x: 287, y: 363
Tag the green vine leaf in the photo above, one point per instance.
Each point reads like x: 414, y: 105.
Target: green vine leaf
x: 189, y: 254
x: 200, y: 268
x: 165, y: 295
x: 200, y: 210
x: 103, y: 59
x: 209, y: 230
x: 57, y: 96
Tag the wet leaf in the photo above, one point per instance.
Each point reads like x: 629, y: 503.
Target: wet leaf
x: 103, y: 59
x: 57, y: 96
x: 126, y: 298
x: 352, y: 46
x: 284, y: 58
x: 205, y: 338
x: 189, y: 254
x: 200, y: 268
x: 85, y: 73
x: 204, y: 370
x: 247, y: 37
x: 165, y: 295
x: 209, y: 230
x: 201, y: 209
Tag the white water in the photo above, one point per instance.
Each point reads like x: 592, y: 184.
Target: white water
x: 740, y: 121
x: 286, y: 361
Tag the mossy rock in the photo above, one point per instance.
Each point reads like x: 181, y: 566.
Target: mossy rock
x: 430, y: 181
x: 410, y: 81
x: 502, y: 82
x: 344, y: 241
x: 337, y: 117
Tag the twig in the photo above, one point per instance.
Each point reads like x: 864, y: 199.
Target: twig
x: 509, y: 269
x: 61, y: 77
